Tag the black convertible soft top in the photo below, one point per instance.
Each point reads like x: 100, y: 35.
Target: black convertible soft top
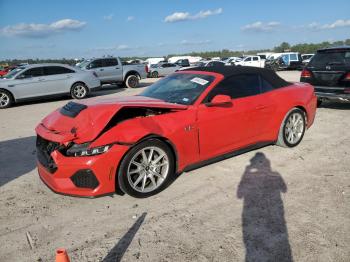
x: 228, y: 71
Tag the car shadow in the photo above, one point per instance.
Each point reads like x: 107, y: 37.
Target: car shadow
x: 265, y: 233
x: 118, y: 251
x: 17, y: 158
x: 335, y: 105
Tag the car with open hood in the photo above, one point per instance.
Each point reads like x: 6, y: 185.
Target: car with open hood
x: 191, y: 118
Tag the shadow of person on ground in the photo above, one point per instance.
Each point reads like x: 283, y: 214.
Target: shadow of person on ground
x: 118, y: 251
x: 265, y: 233
x: 17, y: 158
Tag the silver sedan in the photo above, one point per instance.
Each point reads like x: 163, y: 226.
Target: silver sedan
x: 41, y: 80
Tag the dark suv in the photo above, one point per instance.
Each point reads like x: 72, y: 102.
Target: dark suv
x: 329, y: 72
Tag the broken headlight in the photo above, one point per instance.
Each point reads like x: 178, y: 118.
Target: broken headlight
x: 84, y: 150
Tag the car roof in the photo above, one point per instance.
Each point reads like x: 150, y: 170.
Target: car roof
x: 228, y: 71
x: 45, y: 64
x: 344, y: 47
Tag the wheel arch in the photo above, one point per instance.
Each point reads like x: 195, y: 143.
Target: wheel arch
x: 79, y: 82
x: 132, y: 72
x: 147, y: 137
x: 4, y: 89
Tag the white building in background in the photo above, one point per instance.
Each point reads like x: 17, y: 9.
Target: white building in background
x: 191, y: 59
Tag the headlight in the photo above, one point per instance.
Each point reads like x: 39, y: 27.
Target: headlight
x: 84, y: 150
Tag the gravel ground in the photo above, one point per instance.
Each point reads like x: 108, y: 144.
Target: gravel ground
x: 271, y: 204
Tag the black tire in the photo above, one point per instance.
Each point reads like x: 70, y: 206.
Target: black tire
x: 125, y: 178
x: 283, y: 136
x: 6, y: 99
x: 79, y: 91
x: 132, y: 81
x: 155, y: 74
x: 319, y: 102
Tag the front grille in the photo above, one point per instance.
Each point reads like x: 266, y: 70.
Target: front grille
x: 44, y: 148
x: 85, y: 178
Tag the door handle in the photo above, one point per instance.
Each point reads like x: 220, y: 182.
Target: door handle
x: 260, y: 107
x: 101, y: 69
x: 41, y: 79
x: 117, y: 68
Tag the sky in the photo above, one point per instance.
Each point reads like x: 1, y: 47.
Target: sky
x: 90, y: 28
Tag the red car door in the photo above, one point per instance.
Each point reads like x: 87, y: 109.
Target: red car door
x: 225, y: 128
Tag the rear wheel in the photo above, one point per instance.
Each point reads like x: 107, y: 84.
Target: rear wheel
x: 292, y: 128
x: 132, y: 81
x: 79, y: 91
x: 6, y: 99
x: 155, y: 74
x: 146, y: 169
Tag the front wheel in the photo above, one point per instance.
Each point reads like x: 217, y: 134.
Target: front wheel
x: 132, y: 81
x: 6, y: 99
x: 292, y: 128
x: 79, y: 91
x: 146, y: 169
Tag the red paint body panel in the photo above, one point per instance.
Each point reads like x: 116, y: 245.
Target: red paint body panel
x: 196, y: 132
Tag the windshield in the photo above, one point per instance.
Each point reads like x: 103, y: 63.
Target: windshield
x: 84, y: 63
x: 323, y: 59
x: 179, y: 88
x: 13, y: 72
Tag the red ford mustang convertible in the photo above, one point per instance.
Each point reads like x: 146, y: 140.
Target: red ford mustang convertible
x: 191, y: 118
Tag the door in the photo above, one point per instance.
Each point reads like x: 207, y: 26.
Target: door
x: 225, y: 128
x: 29, y: 83
x: 256, y: 61
x: 113, y: 71
x: 247, y: 61
x: 97, y: 66
x: 57, y: 79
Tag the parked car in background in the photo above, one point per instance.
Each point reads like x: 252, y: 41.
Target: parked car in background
x: 181, y: 122
x: 191, y: 59
x: 306, y: 58
x: 292, y: 60
x: 255, y: 61
x: 232, y: 60
x: 329, y: 72
x: 40, y: 80
x: 209, y: 63
x: 163, y: 69
x: 182, y: 63
x: 112, y: 70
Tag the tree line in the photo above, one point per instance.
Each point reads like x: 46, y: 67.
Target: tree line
x: 283, y: 47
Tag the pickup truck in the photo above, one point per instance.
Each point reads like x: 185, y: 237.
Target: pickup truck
x: 251, y: 61
x: 112, y: 70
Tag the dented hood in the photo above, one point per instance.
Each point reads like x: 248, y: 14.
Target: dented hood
x: 82, y: 121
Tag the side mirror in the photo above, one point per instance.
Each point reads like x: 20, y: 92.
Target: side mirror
x: 220, y: 100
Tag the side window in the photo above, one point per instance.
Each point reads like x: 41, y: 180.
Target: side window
x: 96, y: 64
x: 265, y: 85
x: 293, y: 57
x: 237, y: 86
x: 247, y: 59
x: 255, y: 58
x: 57, y: 70
x: 111, y: 62
x: 172, y: 65
x: 33, y: 72
x: 210, y: 64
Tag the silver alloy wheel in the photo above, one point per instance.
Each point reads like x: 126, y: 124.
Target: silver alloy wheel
x: 4, y: 99
x: 148, y: 169
x: 132, y: 81
x: 79, y: 91
x: 294, y: 128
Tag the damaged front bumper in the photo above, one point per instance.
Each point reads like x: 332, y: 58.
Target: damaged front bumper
x: 87, y: 176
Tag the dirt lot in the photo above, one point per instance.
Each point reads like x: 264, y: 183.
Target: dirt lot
x: 271, y: 204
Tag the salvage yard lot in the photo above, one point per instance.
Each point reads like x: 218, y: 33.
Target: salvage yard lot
x: 298, y: 198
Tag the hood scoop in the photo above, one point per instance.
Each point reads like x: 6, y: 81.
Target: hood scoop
x: 72, y: 109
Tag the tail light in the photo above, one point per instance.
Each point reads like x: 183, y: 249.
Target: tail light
x: 347, y: 77
x: 146, y: 68
x: 306, y: 73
